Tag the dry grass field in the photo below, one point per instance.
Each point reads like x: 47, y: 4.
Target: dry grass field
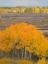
x: 39, y: 20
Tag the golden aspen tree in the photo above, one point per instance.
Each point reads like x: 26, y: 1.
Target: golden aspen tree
x: 36, y: 10
x: 24, y: 37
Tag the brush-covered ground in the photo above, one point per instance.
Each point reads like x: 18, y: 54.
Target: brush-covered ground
x: 39, y: 20
x: 23, y: 61
x: 9, y: 61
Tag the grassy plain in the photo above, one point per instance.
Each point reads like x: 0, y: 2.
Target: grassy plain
x: 39, y: 20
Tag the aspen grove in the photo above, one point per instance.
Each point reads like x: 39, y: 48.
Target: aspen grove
x: 22, y: 40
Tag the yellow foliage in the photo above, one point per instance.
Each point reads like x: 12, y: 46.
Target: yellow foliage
x: 25, y: 36
x: 42, y: 61
x: 18, y: 47
x: 37, y: 10
x: 22, y: 10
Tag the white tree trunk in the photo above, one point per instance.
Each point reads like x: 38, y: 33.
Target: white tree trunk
x: 25, y: 53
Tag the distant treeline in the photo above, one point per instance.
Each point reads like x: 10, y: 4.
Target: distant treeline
x: 23, y: 9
